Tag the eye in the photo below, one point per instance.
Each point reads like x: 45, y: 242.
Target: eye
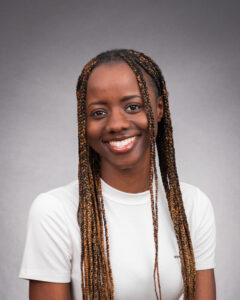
x: 132, y: 108
x: 97, y: 114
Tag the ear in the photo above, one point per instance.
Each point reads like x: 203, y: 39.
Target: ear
x: 159, y: 108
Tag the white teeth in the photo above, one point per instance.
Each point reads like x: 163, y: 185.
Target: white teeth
x: 122, y: 143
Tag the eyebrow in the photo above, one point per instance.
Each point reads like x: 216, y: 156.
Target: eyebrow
x: 125, y: 98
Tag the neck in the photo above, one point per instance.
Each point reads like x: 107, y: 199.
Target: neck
x: 132, y: 180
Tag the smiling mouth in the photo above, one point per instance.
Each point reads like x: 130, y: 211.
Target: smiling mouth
x: 123, y: 145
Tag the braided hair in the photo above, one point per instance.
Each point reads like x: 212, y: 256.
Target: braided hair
x: 96, y: 273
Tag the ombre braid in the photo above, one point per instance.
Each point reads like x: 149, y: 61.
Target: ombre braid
x: 96, y: 273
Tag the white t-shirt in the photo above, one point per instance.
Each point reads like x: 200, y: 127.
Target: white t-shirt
x: 52, y: 249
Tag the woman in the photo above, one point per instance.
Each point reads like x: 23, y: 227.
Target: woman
x: 143, y: 235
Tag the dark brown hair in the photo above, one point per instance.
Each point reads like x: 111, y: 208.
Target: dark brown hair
x: 96, y: 274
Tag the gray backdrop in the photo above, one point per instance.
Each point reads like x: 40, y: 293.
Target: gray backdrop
x: 44, y: 45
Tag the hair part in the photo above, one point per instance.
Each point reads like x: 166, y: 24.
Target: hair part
x: 96, y: 274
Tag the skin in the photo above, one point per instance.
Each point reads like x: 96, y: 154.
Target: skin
x: 115, y: 109
x: 41, y: 290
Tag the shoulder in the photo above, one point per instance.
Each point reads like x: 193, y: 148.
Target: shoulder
x: 196, y: 203
x: 193, y: 196
x: 56, y: 202
x: 64, y: 193
x: 50, y: 236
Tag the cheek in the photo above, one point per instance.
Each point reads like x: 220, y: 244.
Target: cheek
x: 93, y: 132
x: 142, y: 121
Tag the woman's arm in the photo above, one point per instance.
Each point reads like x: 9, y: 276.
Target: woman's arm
x: 205, y: 285
x: 42, y: 290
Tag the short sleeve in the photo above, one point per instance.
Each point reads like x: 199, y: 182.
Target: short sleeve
x: 47, y: 254
x: 204, y: 232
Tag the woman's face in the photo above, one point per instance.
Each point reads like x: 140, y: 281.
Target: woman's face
x: 117, y: 127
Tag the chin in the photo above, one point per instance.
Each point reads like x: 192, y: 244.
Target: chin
x: 125, y: 165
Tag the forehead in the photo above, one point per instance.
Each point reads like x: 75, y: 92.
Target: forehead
x: 112, y: 76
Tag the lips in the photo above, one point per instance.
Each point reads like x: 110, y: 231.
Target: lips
x: 123, y: 145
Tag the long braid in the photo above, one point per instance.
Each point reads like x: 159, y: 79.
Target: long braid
x: 97, y: 280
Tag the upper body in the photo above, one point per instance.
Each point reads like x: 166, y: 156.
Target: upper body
x: 52, y: 251
x: 123, y: 114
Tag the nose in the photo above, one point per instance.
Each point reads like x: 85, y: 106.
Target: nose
x: 117, y: 121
